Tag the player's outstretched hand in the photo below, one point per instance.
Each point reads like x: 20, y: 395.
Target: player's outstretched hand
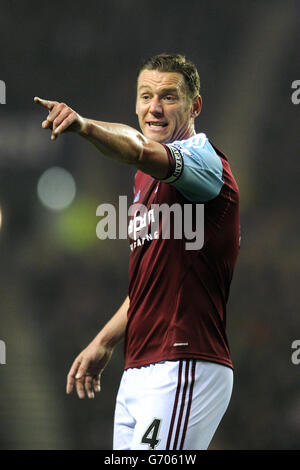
x: 86, y: 370
x: 61, y: 118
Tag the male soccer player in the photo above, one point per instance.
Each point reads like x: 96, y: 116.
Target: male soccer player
x: 178, y: 374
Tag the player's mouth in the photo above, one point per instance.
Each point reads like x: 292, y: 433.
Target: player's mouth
x: 156, y: 125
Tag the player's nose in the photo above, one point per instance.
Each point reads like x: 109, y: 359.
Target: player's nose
x: 156, y: 107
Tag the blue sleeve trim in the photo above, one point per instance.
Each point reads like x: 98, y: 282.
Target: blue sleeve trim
x: 198, y: 169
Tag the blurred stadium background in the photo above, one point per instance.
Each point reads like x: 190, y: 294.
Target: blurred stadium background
x: 60, y: 283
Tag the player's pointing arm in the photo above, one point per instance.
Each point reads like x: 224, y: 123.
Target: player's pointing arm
x: 60, y: 118
x: 117, y: 141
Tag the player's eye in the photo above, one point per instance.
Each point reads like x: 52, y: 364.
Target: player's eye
x: 169, y: 98
x: 145, y: 97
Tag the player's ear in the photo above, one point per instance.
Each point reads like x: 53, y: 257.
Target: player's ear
x: 136, y: 106
x: 196, y: 106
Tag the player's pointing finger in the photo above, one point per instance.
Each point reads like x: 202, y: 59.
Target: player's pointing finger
x: 45, y: 103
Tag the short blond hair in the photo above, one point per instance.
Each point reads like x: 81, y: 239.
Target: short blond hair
x: 175, y: 63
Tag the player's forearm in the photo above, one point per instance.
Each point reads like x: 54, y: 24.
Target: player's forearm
x: 117, y: 141
x: 114, y: 330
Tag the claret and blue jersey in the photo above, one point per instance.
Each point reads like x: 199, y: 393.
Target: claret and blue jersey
x: 177, y: 296
x: 201, y: 170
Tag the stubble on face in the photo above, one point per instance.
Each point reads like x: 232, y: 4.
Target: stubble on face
x: 163, y: 106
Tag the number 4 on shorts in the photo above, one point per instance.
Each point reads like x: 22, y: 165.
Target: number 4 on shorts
x: 150, y: 436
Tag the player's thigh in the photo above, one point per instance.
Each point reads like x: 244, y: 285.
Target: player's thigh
x: 152, y: 409
x: 211, y: 397
x: 124, y: 423
x: 182, y: 406
x: 167, y: 391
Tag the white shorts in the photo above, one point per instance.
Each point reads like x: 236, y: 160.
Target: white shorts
x: 171, y: 405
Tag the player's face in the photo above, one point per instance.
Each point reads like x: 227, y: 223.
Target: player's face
x: 164, y: 110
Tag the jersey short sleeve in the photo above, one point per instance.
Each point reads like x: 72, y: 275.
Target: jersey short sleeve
x: 197, y: 170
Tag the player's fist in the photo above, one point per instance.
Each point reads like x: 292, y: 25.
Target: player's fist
x: 61, y: 117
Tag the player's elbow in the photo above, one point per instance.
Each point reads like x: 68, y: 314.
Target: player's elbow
x: 153, y: 159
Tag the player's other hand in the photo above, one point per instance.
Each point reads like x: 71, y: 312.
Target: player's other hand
x: 61, y: 118
x: 86, y: 370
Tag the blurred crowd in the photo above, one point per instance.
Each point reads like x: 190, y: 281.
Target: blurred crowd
x: 60, y: 283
